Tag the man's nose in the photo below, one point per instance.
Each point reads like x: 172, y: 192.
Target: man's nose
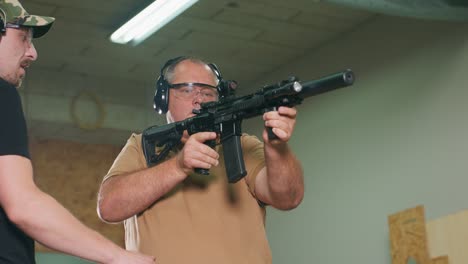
x: 197, y: 96
x: 32, y: 52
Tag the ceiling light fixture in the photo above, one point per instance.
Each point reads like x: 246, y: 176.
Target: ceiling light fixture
x: 148, y: 21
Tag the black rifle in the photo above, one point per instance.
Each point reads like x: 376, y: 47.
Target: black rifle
x: 225, y: 117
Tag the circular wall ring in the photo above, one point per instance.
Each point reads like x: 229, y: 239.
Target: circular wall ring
x: 100, y: 107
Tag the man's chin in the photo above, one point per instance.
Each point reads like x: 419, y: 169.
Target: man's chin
x: 19, y: 83
x: 15, y: 82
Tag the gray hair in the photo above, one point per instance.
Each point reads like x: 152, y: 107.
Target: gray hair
x: 169, y: 72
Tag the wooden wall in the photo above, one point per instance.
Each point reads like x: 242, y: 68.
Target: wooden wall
x: 71, y: 173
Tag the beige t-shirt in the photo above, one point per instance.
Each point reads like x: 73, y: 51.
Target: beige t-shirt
x: 203, y: 219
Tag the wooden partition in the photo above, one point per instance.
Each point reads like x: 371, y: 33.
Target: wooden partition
x: 439, y: 241
x: 71, y: 173
x: 408, y: 239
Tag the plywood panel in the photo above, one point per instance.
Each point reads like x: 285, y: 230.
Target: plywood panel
x: 71, y: 173
x: 408, y: 236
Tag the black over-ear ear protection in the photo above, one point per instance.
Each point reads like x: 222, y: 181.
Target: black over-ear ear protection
x: 2, y: 21
x: 161, y: 96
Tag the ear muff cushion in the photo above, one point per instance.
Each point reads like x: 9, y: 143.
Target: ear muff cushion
x: 161, y: 97
x: 2, y: 23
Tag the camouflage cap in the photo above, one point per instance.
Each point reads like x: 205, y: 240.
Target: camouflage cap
x: 12, y: 12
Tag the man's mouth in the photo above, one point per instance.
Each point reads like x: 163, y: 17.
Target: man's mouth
x: 25, y: 65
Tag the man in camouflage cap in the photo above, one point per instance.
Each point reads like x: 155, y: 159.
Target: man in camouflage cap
x: 27, y: 213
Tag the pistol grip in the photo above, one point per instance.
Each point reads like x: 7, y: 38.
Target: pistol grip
x: 271, y: 135
x: 211, y: 144
x: 202, y: 171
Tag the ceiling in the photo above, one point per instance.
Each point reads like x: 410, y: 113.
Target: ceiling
x: 247, y: 39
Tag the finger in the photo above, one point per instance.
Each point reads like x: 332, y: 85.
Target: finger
x: 287, y: 111
x: 204, y: 136
x: 201, y: 152
x: 278, y: 123
x: 271, y: 115
x: 201, y: 163
x: 281, y: 129
x: 194, y: 147
x: 211, y: 157
x: 282, y: 111
x: 281, y: 134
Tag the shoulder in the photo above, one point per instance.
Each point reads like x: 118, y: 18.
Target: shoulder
x: 132, y: 147
x: 250, y: 141
x: 8, y: 94
x: 130, y: 158
x: 13, y: 137
x: 134, y: 140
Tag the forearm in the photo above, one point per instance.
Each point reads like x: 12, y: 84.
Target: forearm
x: 45, y: 220
x: 125, y: 195
x: 284, y: 176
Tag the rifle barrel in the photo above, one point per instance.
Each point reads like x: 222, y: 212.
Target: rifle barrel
x: 327, y: 83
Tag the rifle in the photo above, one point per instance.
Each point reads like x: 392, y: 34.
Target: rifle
x: 225, y: 117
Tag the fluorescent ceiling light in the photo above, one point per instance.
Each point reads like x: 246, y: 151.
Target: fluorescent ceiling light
x: 148, y: 21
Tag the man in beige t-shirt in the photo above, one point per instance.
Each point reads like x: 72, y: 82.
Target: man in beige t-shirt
x: 183, y: 217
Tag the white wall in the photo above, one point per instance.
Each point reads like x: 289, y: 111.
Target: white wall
x: 396, y: 139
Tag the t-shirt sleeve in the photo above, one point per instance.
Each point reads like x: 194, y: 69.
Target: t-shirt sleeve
x: 254, y: 158
x: 130, y: 159
x: 13, y: 132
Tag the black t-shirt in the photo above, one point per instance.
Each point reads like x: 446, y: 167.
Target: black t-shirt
x: 15, y: 246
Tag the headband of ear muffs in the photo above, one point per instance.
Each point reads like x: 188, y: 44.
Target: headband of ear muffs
x: 161, y: 96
